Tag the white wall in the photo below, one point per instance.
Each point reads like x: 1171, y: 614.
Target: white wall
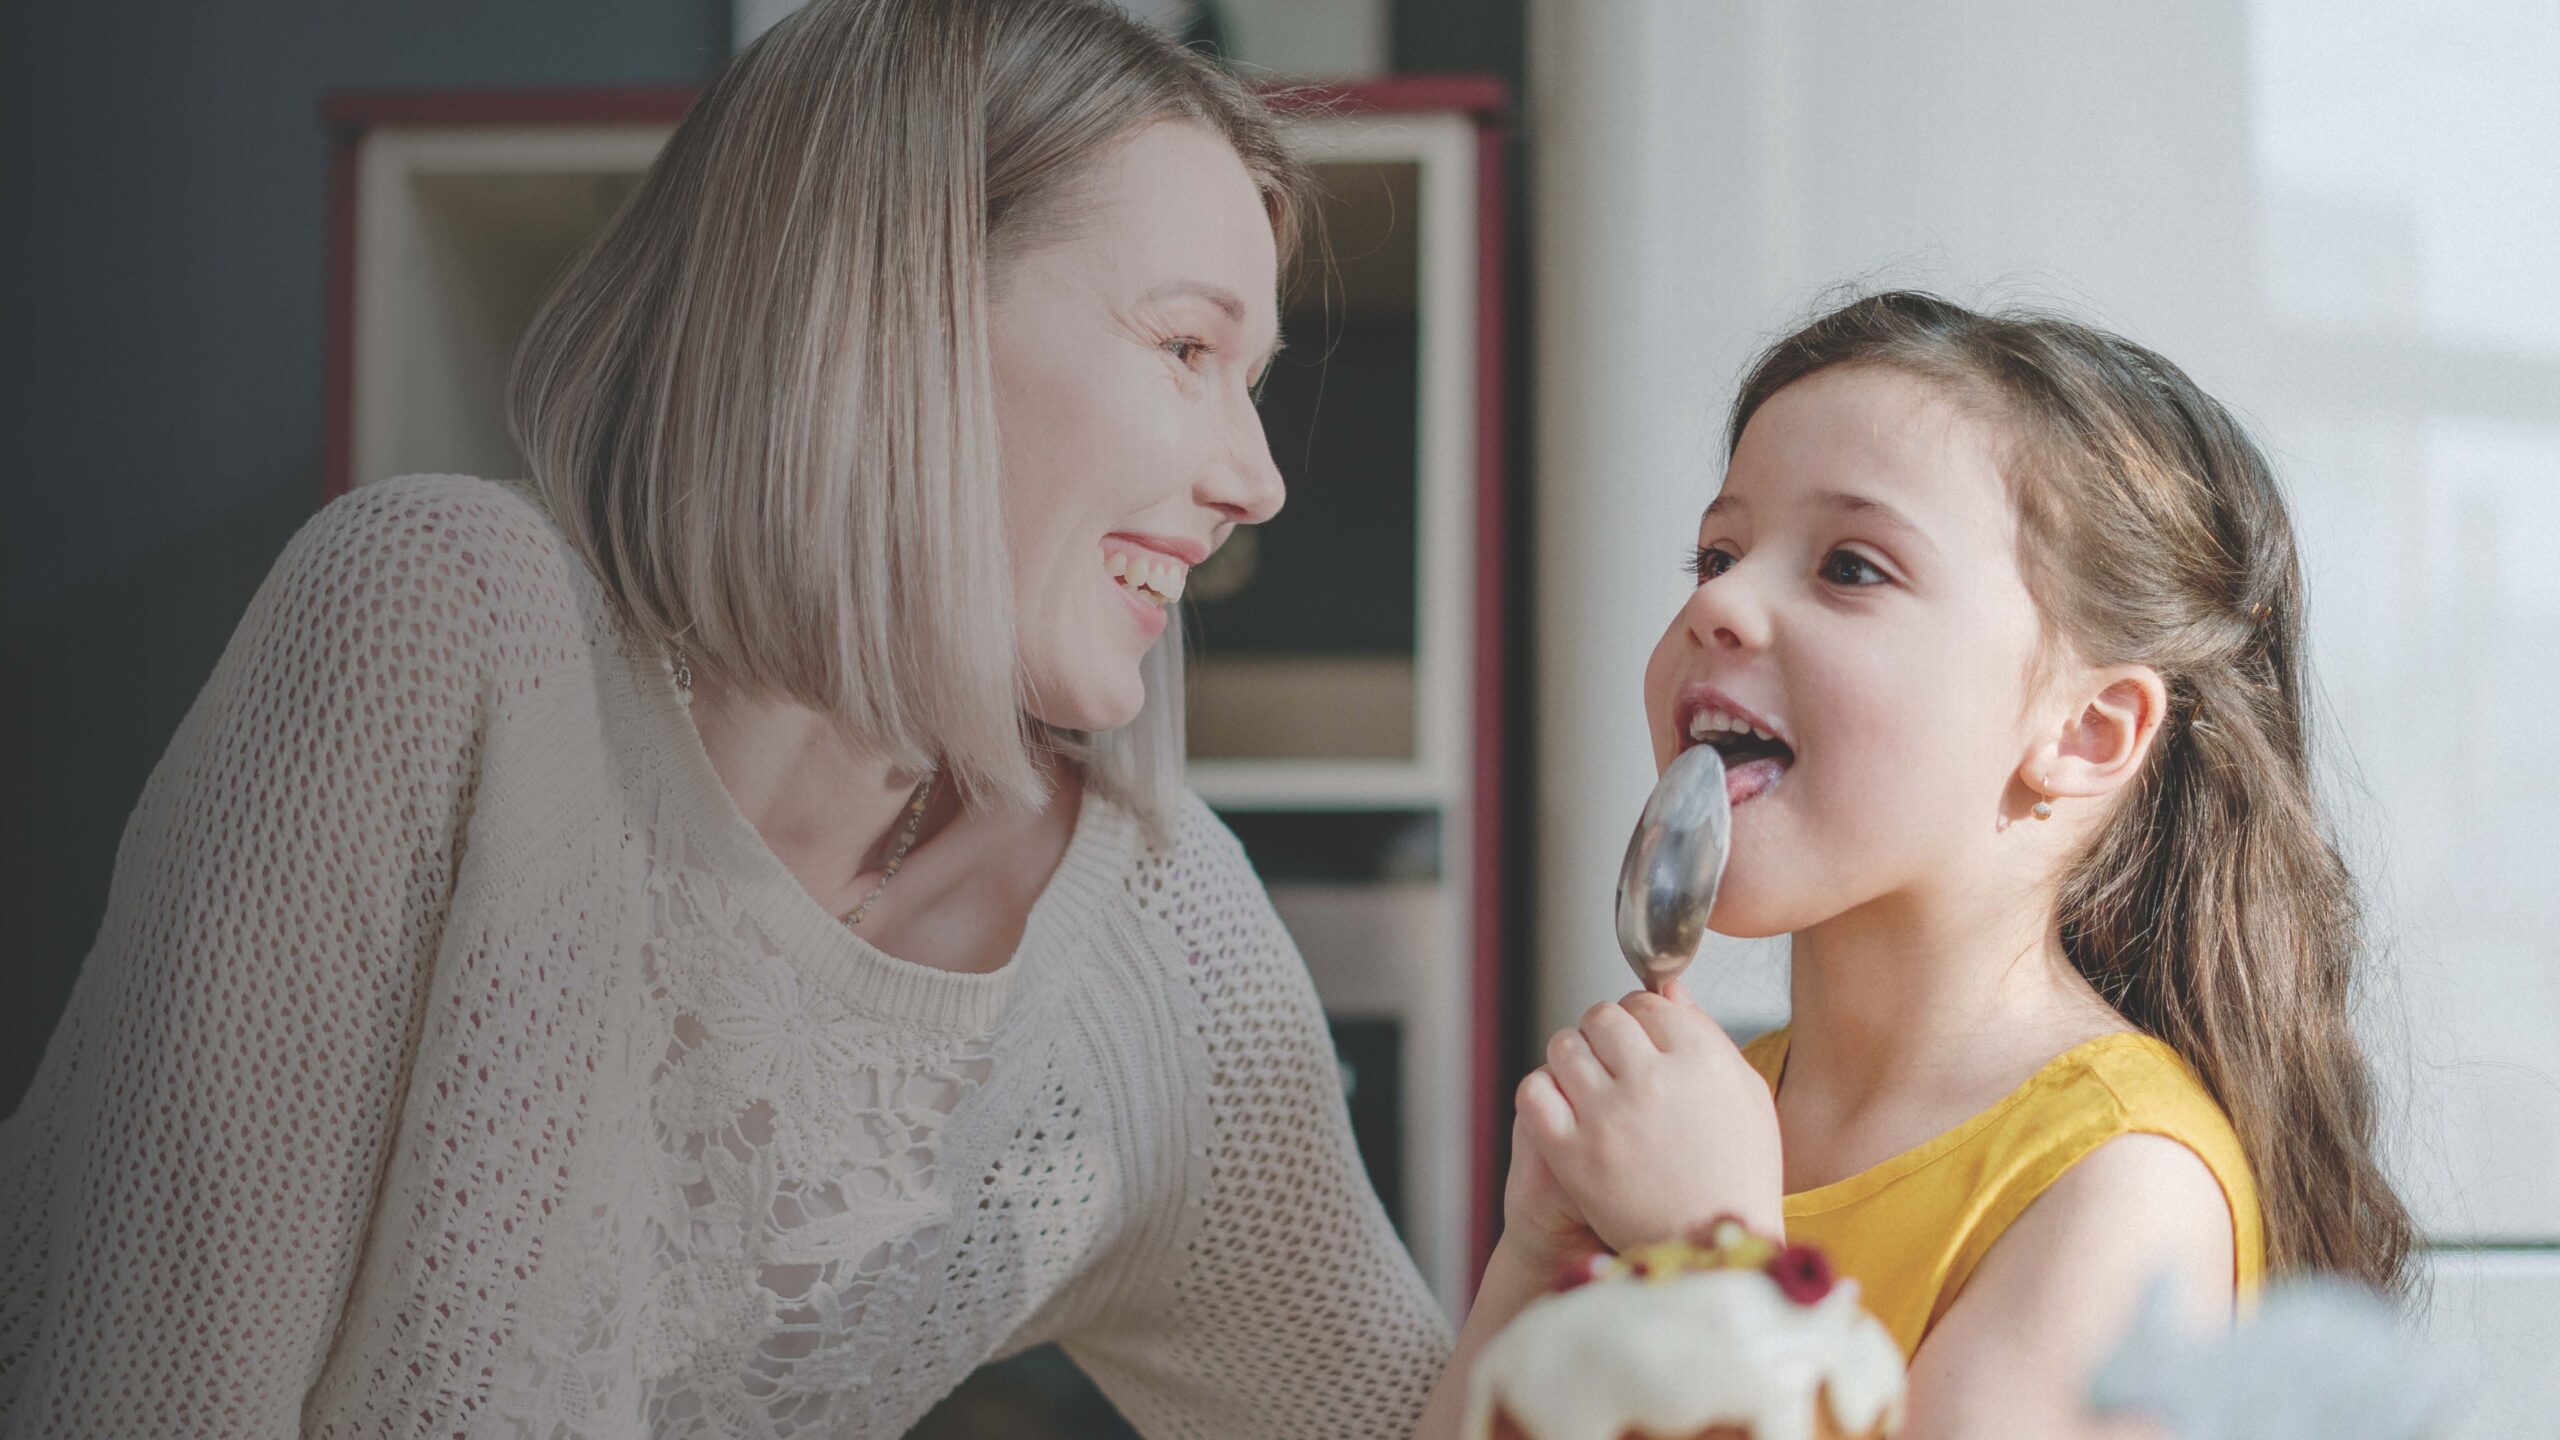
x: 2344, y: 220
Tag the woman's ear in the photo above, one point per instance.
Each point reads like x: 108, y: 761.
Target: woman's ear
x: 2102, y: 745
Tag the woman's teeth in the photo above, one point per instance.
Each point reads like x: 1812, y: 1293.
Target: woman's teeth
x: 1709, y: 724
x: 1156, y: 580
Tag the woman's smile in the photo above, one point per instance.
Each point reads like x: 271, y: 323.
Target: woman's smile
x: 1150, y: 572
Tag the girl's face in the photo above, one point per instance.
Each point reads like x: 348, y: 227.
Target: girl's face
x: 1859, y: 600
x: 1126, y: 352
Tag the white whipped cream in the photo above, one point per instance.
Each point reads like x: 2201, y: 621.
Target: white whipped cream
x: 1675, y: 1356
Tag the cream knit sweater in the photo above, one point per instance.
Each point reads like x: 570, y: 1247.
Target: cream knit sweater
x: 454, y: 1059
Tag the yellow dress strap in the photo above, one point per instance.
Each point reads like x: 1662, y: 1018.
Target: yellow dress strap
x: 1913, y: 1228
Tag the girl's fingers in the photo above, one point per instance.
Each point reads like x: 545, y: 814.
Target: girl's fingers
x: 1544, y: 1112
x: 1658, y: 1017
x: 1579, y: 1073
x: 1617, y: 1038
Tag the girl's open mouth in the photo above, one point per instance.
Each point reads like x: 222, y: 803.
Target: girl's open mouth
x: 1754, y: 757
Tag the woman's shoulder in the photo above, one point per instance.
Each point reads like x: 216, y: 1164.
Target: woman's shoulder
x: 441, y: 561
x: 1188, y: 874
x: 1194, y: 862
x: 426, y: 532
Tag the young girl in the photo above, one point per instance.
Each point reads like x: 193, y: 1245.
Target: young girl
x: 1998, y: 623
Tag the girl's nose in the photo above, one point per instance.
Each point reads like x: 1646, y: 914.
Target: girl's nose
x: 1727, y: 613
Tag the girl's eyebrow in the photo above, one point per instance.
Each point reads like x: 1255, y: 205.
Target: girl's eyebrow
x: 1870, y: 508
x: 1848, y: 502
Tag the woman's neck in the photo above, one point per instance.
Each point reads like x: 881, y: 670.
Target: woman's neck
x: 1951, y: 990
x: 830, y: 809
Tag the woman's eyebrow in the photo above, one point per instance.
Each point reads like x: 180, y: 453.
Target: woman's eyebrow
x: 1228, y: 303
x: 1218, y: 295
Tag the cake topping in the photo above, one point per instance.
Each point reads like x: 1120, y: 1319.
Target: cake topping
x: 1724, y: 1328
x: 1802, y: 1273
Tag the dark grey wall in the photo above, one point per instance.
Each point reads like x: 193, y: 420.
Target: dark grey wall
x: 163, y: 252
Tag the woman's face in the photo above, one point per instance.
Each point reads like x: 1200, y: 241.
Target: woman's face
x: 1126, y: 353
x: 1860, y: 600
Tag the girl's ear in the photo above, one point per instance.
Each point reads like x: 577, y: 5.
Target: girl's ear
x: 2101, y: 747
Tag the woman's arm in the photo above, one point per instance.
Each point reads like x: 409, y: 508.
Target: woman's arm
x: 2013, y: 1354
x: 1288, y: 1307
x: 186, y: 1185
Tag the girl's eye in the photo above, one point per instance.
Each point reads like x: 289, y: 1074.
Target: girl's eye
x: 1848, y: 567
x: 1709, y: 563
x: 1186, y: 349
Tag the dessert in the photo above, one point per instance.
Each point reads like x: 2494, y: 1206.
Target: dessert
x: 1725, y: 1336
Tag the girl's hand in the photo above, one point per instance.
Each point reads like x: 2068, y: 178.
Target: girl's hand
x: 1541, y: 1234
x: 1540, y: 1226
x: 1649, y: 1122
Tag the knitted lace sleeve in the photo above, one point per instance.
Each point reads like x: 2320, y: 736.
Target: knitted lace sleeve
x: 1291, y: 1308
x: 185, y: 1187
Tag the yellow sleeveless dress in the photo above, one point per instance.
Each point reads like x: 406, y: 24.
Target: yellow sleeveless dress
x: 1912, y: 1229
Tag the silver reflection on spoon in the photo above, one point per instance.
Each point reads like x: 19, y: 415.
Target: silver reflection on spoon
x: 1674, y: 863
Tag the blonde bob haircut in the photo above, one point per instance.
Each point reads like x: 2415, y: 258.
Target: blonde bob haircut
x: 761, y: 403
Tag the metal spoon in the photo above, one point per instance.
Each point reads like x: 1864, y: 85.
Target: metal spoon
x: 1674, y: 863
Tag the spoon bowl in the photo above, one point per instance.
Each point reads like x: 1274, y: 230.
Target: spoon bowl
x: 1675, y: 862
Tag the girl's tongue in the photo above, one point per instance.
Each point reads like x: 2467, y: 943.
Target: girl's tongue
x: 1750, y: 778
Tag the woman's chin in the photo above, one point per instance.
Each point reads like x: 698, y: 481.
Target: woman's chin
x: 1094, y: 710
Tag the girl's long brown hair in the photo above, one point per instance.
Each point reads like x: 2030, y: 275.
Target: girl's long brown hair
x: 2214, y: 910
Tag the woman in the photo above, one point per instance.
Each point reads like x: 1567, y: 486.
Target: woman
x: 712, y: 941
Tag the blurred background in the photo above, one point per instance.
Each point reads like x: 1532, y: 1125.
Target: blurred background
x: 2341, y: 218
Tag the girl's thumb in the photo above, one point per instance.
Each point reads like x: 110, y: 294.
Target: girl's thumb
x: 1676, y: 990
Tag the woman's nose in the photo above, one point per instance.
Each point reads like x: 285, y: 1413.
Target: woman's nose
x: 1244, y: 484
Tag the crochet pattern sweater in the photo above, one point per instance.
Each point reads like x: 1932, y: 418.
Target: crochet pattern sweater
x: 455, y: 1059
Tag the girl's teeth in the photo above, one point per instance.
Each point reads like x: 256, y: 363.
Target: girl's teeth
x: 1708, y: 723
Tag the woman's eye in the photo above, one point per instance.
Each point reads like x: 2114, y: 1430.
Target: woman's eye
x: 1848, y: 567
x: 1186, y: 349
x: 1709, y: 563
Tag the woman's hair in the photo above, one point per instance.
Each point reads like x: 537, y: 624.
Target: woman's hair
x: 2213, y: 911
x: 761, y: 404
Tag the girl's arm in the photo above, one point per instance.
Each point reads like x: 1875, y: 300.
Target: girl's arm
x: 2014, y: 1351
x: 1541, y: 1234
x: 1645, y: 1122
